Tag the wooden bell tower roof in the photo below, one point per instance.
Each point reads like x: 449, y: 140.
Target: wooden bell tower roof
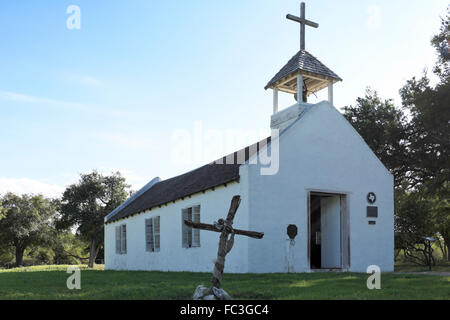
x: 316, y: 75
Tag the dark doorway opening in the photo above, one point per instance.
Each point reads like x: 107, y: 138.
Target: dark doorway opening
x: 328, y: 231
x: 316, y: 254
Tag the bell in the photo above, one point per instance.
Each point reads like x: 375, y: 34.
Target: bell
x: 305, y: 98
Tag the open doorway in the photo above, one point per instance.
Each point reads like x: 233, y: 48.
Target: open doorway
x: 328, y: 231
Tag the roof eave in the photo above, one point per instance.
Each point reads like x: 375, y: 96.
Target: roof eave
x: 287, y: 78
x: 112, y: 219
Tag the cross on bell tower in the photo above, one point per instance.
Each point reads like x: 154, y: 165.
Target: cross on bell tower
x: 303, y: 74
x: 303, y: 23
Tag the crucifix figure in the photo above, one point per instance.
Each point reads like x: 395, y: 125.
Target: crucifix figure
x: 303, y: 22
x: 226, y: 240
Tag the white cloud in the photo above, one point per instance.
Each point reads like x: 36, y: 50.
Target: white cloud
x: 85, y: 107
x: 25, y: 185
x: 31, y: 186
x: 19, y: 97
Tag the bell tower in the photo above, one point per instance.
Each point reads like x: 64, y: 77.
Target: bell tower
x: 302, y: 75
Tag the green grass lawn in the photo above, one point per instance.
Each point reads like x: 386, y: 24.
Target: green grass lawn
x: 49, y: 282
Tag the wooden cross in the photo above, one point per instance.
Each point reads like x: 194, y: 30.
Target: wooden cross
x: 225, y: 227
x: 303, y: 22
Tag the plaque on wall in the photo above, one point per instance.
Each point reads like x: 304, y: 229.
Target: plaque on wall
x: 372, y: 212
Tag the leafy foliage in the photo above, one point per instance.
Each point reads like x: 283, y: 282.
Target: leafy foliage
x: 416, y: 149
x: 85, y: 204
x: 428, y: 132
x: 414, y: 219
x: 67, y: 248
x: 26, y: 221
x: 441, y: 42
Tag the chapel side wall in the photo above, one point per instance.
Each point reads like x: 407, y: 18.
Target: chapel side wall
x: 323, y: 152
x: 172, y: 256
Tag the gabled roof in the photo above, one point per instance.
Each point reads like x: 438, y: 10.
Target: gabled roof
x: 303, y: 61
x: 212, y: 175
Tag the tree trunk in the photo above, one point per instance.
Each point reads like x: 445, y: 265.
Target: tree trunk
x: 19, y: 256
x: 444, y: 249
x: 446, y: 252
x: 93, y: 251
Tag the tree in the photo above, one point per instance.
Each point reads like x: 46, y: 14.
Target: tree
x: 413, y: 221
x: 383, y: 127
x: 429, y: 135
x: 6, y: 256
x: 441, y: 42
x: 2, y: 211
x: 428, y: 132
x: 26, y: 221
x: 441, y: 216
x: 67, y: 248
x: 85, y: 204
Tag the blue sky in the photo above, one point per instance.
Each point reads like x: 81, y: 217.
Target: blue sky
x: 116, y: 94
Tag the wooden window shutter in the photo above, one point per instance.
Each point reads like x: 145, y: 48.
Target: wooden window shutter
x: 118, y: 243
x: 184, y: 228
x: 149, y: 234
x: 156, y: 232
x: 196, y: 232
x: 151, y: 240
x: 189, y: 229
x: 124, y: 239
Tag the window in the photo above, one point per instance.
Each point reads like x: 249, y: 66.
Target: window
x: 190, y: 236
x: 121, y: 239
x: 152, y: 231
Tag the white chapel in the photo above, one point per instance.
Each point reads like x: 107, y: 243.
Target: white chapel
x: 322, y: 198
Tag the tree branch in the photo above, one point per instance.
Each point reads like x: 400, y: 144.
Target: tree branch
x: 74, y: 256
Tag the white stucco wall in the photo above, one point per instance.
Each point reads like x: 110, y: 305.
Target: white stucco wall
x: 322, y: 152
x: 172, y: 256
